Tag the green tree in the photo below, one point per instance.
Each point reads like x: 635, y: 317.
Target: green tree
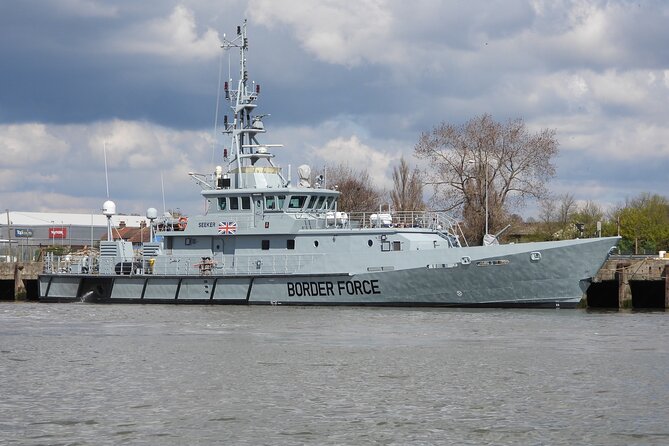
x: 586, y: 217
x: 644, y: 224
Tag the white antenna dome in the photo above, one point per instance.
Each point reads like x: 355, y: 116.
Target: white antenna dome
x: 151, y: 213
x: 109, y: 208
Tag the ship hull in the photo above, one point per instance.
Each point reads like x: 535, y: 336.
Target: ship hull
x: 556, y: 276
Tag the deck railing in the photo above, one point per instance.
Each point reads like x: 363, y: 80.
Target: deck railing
x: 173, y: 265
x: 260, y: 263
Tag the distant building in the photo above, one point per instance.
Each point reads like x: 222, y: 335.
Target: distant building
x: 131, y: 234
x: 26, y: 230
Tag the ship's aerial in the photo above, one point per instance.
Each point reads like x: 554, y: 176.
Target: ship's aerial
x: 269, y: 238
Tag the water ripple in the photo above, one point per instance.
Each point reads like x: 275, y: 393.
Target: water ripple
x: 95, y: 374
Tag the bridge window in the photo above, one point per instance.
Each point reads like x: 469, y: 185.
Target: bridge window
x: 281, y: 201
x: 246, y: 203
x: 270, y: 203
x: 297, y: 202
x: 265, y: 245
x: 312, y: 202
x: 320, y: 202
x: 290, y: 244
x: 222, y: 202
x: 234, y: 203
x: 328, y: 202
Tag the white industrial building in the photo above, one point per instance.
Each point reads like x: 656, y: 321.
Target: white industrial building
x: 22, y: 231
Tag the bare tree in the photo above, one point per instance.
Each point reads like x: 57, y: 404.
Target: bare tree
x: 485, y: 162
x: 407, y: 193
x: 566, y: 210
x: 556, y: 216
x: 356, y: 188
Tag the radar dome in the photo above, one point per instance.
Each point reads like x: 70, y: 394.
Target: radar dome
x: 109, y: 208
x: 304, y: 171
x: 151, y: 213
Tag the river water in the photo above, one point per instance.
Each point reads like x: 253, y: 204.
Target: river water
x: 85, y: 374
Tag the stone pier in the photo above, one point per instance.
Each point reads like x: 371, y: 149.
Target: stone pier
x: 18, y: 280
x: 631, y: 282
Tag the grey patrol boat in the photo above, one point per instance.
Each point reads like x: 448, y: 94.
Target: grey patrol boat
x: 265, y: 240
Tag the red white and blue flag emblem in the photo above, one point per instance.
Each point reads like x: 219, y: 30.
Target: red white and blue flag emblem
x: 227, y: 227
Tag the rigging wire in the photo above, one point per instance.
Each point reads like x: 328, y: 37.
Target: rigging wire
x: 104, y: 149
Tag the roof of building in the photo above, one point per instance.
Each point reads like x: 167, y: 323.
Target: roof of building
x: 134, y: 235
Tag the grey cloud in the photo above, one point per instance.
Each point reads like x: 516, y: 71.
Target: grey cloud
x: 63, y: 65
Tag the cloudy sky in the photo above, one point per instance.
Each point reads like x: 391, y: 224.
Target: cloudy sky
x: 344, y: 81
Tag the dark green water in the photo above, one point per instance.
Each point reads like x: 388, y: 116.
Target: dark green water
x: 174, y: 375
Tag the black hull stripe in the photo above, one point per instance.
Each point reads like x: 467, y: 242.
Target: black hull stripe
x: 547, y: 304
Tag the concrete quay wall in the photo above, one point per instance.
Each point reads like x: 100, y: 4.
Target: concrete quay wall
x: 631, y: 282
x: 18, y: 280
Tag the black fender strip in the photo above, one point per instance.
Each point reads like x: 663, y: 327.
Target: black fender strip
x: 248, y: 293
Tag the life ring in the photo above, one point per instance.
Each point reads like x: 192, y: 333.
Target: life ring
x: 183, y: 221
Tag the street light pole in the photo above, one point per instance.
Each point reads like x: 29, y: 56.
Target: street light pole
x: 486, y: 194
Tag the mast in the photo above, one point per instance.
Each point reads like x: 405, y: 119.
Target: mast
x: 245, y: 148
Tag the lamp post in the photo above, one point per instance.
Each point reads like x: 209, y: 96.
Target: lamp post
x: 486, y: 195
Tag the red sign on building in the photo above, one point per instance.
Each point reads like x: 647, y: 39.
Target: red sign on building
x: 57, y: 232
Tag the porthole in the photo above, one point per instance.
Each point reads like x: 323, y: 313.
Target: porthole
x: 370, y: 242
x: 316, y: 243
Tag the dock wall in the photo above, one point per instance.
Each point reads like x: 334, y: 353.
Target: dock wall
x: 631, y: 282
x: 18, y: 280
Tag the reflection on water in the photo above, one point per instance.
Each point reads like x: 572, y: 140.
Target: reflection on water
x: 172, y: 375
